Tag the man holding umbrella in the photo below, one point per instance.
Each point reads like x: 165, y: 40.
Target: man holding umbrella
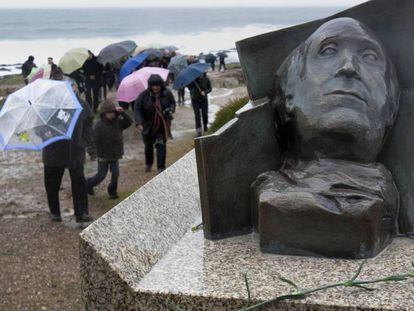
x: 199, y: 100
x: 47, y: 115
x: 195, y: 78
x: 92, y: 71
x: 68, y: 154
x: 222, y: 58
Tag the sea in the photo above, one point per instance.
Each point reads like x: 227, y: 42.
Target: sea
x: 51, y: 32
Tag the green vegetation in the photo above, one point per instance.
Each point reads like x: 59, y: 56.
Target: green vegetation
x: 233, y: 66
x: 12, y: 80
x: 227, y: 113
x: 300, y: 293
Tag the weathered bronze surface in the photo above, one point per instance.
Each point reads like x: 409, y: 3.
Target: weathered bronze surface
x: 335, y: 97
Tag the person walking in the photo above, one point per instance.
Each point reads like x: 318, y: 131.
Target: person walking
x: 199, y: 90
x: 108, y: 146
x: 213, y: 64
x: 68, y: 154
x: 153, y: 112
x: 92, y: 71
x: 222, y: 59
x: 27, y: 68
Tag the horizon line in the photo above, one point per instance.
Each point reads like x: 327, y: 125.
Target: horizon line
x: 169, y: 7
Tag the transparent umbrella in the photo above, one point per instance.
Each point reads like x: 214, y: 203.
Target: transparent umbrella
x: 38, y: 115
x: 177, y: 64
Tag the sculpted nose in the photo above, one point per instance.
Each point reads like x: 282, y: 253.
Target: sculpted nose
x: 349, y: 69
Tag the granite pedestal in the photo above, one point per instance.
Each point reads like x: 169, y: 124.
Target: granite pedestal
x: 143, y: 255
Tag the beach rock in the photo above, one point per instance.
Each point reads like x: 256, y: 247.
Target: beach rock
x: 227, y: 79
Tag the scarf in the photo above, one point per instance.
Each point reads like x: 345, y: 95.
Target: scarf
x: 159, y: 122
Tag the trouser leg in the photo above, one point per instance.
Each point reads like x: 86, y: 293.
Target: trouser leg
x: 99, y: 176
x: 161, y: 146
x: 96, y: 89
x: 204, y: 111
x: 88, y: 93
x: 197, y: 114
x: 104, y: 90
x: 149, y: 153
x: 113, y: 185
x: 79, y: 193
x: 181, y: 94
x: 53, y: 180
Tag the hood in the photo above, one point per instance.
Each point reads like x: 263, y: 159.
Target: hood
x: 107, y: 107
x: 156, y: 80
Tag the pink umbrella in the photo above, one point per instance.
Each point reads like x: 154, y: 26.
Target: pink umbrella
x: 37, y: 75
x: 137, y: 82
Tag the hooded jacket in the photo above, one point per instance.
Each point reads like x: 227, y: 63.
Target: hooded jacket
x: 107, y: 141
x: 144, y: 110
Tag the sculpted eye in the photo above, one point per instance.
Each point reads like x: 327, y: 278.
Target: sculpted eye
x: 327, y: 50
x: 370, y: 56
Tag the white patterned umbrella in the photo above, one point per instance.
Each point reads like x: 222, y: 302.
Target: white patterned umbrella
x: 38, y: 115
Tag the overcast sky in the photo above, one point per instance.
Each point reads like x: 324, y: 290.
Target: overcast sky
x: 169, y: 3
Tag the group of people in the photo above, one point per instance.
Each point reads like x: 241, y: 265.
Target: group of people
x: 29, y: 64
x: 152, y: 114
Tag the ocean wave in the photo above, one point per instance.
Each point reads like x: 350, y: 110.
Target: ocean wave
x: 15, y: 51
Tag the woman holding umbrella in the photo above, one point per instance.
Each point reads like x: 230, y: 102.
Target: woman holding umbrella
x: 153, y: 114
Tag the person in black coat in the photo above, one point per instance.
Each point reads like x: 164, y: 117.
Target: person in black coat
x: 153, y: 111
x: 93, y: 80
x: 222, y: 58
x: 108, y: 146
x: 69, y: 154
x: 27, y: 68
x: 199, y: 90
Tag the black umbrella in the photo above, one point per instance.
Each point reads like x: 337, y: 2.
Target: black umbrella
x: 210, y: 57
x: 222, y: 54
x: 116, y: 51
x: 171, y: 48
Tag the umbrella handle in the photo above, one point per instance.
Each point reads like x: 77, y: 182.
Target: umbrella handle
x: 198, y: 87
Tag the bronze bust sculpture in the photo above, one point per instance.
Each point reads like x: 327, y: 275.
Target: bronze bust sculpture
x: 319, y: 162
x: 335, y: 98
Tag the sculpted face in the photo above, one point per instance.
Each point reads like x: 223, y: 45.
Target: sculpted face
x: 340, y: 92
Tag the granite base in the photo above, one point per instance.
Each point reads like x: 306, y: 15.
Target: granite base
x: 143, y: 255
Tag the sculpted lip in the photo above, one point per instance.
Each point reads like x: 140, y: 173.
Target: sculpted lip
x: 348, y: 93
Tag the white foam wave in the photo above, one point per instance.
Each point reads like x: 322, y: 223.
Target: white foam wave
x: 191, y: 43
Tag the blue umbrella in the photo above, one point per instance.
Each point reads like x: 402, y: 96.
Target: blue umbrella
x: 132, y: 64
x: 38, y: 115
x: 189, y: 74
